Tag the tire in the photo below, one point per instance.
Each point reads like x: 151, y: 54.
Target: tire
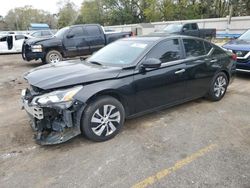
x: 218, y: 87
x: 53, y: 56
x: 95, y: 126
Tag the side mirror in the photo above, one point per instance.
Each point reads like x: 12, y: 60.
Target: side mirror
x: 70, y: 36
x: 184, y: 29
x: 151, y: 63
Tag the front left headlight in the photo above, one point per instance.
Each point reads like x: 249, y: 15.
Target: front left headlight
x: 59, y: 96
x: 37, y: 48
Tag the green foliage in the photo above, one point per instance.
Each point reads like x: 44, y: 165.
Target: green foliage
x: 20, y: 18
x: 67, y: 14
x: 114, y: 12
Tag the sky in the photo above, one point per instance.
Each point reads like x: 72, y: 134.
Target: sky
x: 47, y: 5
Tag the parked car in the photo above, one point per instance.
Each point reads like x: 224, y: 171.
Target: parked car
x: 127, y: 78
x: 42, y: 34
x: 190, y: 29
x: 241, y: 47
x: 12, y: 43
x: 76, y: 40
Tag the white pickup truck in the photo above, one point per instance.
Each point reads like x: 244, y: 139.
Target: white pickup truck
x: 12, y: 43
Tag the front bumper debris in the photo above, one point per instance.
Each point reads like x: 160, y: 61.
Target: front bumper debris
x: 54, y: 124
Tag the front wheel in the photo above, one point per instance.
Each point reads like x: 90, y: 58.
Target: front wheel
x: 53, y: 56
x: 103, y: 119
x: 218, y: 87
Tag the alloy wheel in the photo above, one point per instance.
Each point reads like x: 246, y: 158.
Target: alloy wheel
x: 105, y: 120
x: 220, y: 86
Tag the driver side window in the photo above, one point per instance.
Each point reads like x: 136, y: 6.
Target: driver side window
x: 166, y: 51
x: 76, y: 32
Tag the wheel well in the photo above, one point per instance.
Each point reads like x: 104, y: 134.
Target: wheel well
x: 227, y: 74
x: 112, y: 94
x: 56, y: 49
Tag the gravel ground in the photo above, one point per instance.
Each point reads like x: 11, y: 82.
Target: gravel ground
x: 169, y: 148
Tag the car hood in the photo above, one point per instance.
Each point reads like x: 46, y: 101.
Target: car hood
x: 42, y: 40
x: 238, y: 45
x: 68, y: 73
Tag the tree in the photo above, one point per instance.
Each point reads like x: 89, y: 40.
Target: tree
x: 20, y: 18
x: 67, y: 14
x: 92, y: 12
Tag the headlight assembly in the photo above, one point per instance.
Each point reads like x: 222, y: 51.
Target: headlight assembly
x: 36, y: 48
x: 56, y: 97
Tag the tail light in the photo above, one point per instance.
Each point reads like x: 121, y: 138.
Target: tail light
x: 234, y: 57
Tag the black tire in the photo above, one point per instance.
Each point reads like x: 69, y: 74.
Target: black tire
x: 218, y: 87
x: 53, y: 56
x: 98, y: 128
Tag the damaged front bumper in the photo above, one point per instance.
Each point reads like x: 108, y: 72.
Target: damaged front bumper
x: 54, y: 123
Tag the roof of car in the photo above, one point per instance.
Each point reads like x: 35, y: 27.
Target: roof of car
x: 158, y: 36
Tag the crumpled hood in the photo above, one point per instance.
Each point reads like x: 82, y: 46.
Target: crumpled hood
x: 238, y: 45
x: 68, y: 73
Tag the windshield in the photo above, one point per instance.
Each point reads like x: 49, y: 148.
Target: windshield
x: 60, y: 33
x: 173, y: 28
x: 119, y: 53
x: 245, y: 36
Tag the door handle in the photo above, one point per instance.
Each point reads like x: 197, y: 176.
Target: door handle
x: 180, y: 71
x: 213, y: 60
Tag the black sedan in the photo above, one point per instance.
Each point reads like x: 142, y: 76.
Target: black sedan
x: 127, y: 78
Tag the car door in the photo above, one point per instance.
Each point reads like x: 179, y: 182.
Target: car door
x: 75, y: 43
x: 96, y: 37
x: 199, y: 67
x: 18, y: 42
x: 165, y: 85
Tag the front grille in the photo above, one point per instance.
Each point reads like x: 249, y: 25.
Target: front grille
x: 243, y: 60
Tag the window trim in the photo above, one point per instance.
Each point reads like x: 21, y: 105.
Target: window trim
x: 166, y: 64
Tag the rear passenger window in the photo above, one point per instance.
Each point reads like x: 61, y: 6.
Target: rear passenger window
x: 166, y: 51
x: 93, y: 30
x: 194, y: 48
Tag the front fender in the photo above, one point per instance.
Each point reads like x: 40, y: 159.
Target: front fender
x: 115, y: 86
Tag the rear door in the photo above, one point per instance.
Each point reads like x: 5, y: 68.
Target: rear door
x: 165, y: 85
x: 96, y: 38
x: 198, y: 67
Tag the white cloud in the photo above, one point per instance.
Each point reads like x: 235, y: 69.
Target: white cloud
x: 47, y: 5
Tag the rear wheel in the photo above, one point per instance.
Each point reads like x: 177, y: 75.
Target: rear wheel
x: 53, y: 56
x: 103, y: 119
x: 218, y: 87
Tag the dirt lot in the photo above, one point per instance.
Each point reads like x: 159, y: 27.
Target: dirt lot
x: 197, y: 144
